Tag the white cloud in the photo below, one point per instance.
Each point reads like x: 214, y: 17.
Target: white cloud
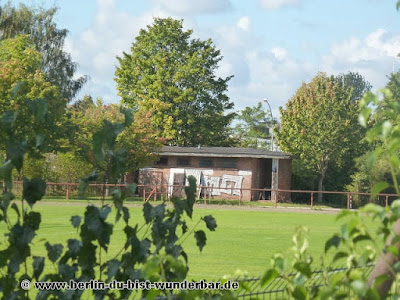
x: 275, y: 4
x: 279, y: 53
x: 244, y: 23
x: 197, y: 6
x: 95, y: 49
x: 372, y: 56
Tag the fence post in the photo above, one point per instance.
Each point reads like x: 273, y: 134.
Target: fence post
x: 144, y: 193
x: 155, y: 194
x: 67, y: 195
x: 351, y: 201
x: 276, y: 199
x: 348, y: 201
x: 387, y: 201
x: 312, y: 200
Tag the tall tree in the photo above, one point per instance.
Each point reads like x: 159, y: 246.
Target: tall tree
x: 174, y: 74
x: 24, y: 88
x: 254, y: 127
x: 354, y: 84
x: 320, y: 126
x: 38, y: 23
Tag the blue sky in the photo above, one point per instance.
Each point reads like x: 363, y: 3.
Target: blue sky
x: 270, y: 46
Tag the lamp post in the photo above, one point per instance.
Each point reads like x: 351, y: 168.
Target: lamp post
x: 270, y: 128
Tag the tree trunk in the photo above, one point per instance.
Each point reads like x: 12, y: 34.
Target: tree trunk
x: 324, y: 167
x: 384, y: 266
x: 320, y: 183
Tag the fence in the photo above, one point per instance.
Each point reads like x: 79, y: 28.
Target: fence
x: 253, y: 288
x: 145, y: 193
x: 276, y: 289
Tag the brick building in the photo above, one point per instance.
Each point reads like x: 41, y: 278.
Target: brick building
x: 227, y: 173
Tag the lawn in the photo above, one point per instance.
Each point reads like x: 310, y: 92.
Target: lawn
x: 244, y: 239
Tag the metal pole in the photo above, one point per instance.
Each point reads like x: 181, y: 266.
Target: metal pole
x: 272, y: 131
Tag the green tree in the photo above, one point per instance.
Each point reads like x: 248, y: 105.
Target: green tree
x: 254, y: 126
x: 366, y: 174
x: 354, y: 83
x: 174, y: 74
x: 38, y: 23
x: 23, y: 86
x: 319, y: 126
x: 139, y: 138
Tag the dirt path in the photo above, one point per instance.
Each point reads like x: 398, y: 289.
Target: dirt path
x: 306, y: 210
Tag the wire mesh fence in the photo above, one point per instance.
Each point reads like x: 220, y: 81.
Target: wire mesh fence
x: 253, y: 288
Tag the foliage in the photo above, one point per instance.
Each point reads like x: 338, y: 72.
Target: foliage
x: 254, y: 127
x: 38, y: 24
x: 174, y: 75
x: 354, y: 83
x: 140, y: 136
x: 25, y: 91
x: 60, y: 167
x: 355, y: 244
x: 368, y: 173
x: 153, y: 251
x: 319, y: 126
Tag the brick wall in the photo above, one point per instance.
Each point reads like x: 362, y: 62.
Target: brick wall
x: 284, y: 178
x: 256, y: 173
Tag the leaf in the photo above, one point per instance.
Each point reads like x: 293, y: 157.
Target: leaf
x: 147, y: 208
x: 126, y: 215
x: 6, y: 174
x: 104, y: 212
x: 38, y: 266
x: 15, y: 152
x: 359, y: 287
x: 362, y: 237
x: 33, y: 220
x: 300, y: 293
x: 340, y: 255
x: 200, y: 239
x: 379, y: 187
x: 39, y: 140
x: 8, y: 119
x: 39, y: 108
x: 393, y: 249
x: 364, y: 116
x: 303, y: 268
x: 76, y: 221
x: 67, y: 272
x: 128, y: 113
x: 131, y: 189
x: 94, y: 226
x: 84, y: 182
x: 333, y: 241
x: 268, y: 276
x: 7, y: 198
x: 54, y: 251
x: 33, y: 190
x: 112, y: 268
x: 14, y: 206
x: 74, y: 246
x: 210, y: 222
x: 158, y: 212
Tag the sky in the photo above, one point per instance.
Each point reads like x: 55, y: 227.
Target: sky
x: 270, y: 46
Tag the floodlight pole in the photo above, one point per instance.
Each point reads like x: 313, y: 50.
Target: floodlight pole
x: 271, y: 128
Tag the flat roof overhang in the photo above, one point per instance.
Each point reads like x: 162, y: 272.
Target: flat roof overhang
x: 222, y: 152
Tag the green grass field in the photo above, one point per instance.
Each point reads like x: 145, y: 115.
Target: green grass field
x: 243, y: 240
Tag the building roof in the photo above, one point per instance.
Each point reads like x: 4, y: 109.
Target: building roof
x: 221, y: 152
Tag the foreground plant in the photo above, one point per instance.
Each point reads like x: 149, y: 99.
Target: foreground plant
x: 152, y: 251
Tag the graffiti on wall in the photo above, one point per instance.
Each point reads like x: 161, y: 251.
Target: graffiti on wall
x: 225, y: 184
